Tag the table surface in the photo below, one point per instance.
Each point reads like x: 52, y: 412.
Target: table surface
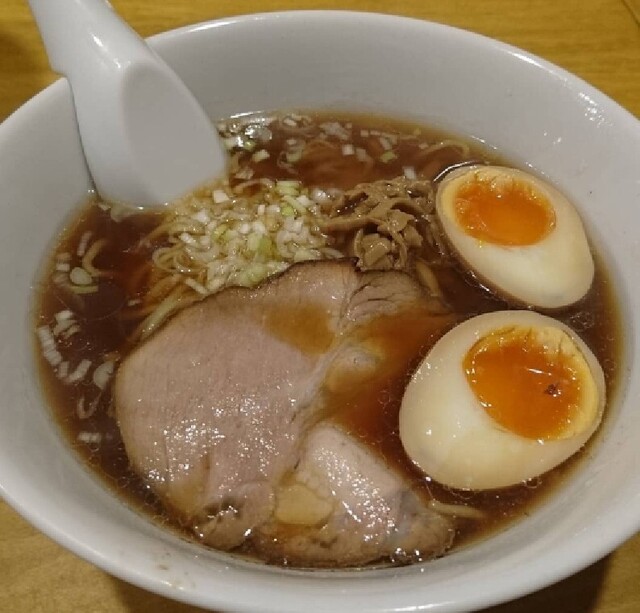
x: 599, y: 40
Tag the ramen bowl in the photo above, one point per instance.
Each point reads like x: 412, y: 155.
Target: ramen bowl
x: 533, y: 113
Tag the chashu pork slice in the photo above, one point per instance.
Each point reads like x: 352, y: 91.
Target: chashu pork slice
x: 214, y: 407
x: 344, y: 506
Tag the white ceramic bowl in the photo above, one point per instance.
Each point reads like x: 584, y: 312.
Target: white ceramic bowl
x: 534, y: 113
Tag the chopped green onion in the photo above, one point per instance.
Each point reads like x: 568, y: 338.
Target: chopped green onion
x: 253, y: 241
x: 228, y: 235
x: 388, y: 156
x: 265, y: 247
x: 288, y: 188
x: 256, y: 272
x: 219, y: 231
x: 295, y: 204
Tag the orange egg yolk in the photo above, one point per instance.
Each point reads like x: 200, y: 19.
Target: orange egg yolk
x: 531, y: 382
x: 503, y: 211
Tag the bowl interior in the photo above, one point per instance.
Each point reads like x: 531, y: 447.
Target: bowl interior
x: 533, y: 113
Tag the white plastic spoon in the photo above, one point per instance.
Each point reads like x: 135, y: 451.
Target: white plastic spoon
x: 146, y: 139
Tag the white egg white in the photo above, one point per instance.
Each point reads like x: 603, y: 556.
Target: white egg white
x: 555, y: 272
x: 449, y: 435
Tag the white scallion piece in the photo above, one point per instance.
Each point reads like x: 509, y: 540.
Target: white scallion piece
x: 386, y: 144
x: 302, y: 255
x: 260, y: 155
x: 215, y: 283
x: 409, y: 172
x: 334, y: 128
x: 232, y: 142
x: 52, y: 356
x: 258, y: 227
x: 219, y: 196
x: 63, y: 266
x: 63, y: 370
x: 287, y: 184
x: 84, y: 242
x: 362, y: 154
x: 246, y: 173
x: 293, y: 156
x: 348, y: 149
x: 84, y: 412
x: 79, y: 276
x: 80, y: 407
x: 61, y: 326
x: 102, y: 374
x: 304, y: 200
x: 63, y: 315
x: 79, y: 373
x: 89, y: 437
x: 202, y: 216
x: 84, y: 289
x: 69, y: 332
x: 46, y: 337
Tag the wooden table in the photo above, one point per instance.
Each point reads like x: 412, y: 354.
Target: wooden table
x: 597, y: 39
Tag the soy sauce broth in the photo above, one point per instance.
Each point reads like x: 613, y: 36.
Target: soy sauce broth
x: 372, y: 417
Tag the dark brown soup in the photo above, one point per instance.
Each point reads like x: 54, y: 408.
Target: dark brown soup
x: 110, y: 274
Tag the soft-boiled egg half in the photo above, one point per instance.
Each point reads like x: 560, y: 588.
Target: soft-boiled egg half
x: 517, y: 234
x: 501, y: 398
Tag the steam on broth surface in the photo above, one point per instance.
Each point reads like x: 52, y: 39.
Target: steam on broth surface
x: 302, y: 187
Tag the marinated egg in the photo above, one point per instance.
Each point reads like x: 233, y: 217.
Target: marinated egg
x: 517, y: 234
x: 500, y: 399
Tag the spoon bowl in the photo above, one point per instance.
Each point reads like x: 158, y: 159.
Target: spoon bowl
x: 145, y: 138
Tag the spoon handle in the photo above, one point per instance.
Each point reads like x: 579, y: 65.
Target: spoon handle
x: 86, y: 35
x: 146, y: 139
